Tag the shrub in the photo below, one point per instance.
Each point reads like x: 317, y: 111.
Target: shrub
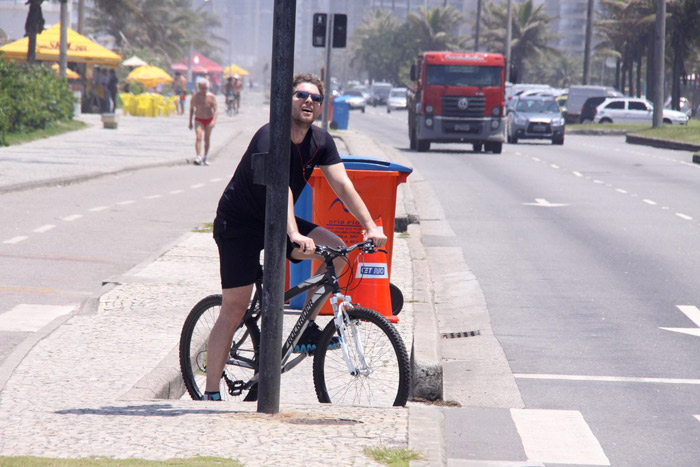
x: 31, y: 98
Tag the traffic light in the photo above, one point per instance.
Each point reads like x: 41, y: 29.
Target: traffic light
x: 340, y: 30
x: 319, y: 30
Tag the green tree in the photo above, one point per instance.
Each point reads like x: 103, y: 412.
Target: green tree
x: 434, y: 29
x: 529, y: 50
x: 381, y: 46
x: 165, y: 27
x: 683, y: 18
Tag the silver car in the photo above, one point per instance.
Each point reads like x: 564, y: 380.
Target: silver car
x: 535, y: 117
x: 396, y: 100
x: 355, y: 98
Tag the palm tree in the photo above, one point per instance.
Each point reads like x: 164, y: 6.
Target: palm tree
x: 530, y: 34
x: 683, y: 17
x: 434, y: 29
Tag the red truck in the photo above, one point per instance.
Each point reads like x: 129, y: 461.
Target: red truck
x: 457, y: 97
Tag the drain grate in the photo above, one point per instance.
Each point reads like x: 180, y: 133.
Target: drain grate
x: 457, y: 335
x: 322, y: 421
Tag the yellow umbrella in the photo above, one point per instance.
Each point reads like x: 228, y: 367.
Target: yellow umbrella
x: 234, y: 69
x: 150, y: 76
x: 80, y: 48
x: 70, y: 74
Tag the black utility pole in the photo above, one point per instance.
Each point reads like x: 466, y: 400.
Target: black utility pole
x: 277, y: 181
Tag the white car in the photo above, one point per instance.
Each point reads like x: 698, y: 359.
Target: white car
x: 634, y: 110
x: 355, y: 98
x: 396, y: 99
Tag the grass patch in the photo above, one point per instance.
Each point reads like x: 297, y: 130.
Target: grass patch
x: 689, y: 133
x: 105, y: 462
x: 52, y: 130
x: 205, y: 228
x: 391, y: 456
x: 615, y: 127
x: 404, y: 235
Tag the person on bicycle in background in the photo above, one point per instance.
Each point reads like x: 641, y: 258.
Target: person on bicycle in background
x: 239, y: 226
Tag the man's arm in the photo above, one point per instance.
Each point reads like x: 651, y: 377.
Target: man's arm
x: 215, y: 108
x: 342, y: 186
x: 191, y: 110
x: 306, y: 244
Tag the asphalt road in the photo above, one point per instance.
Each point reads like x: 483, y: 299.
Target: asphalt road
x: 585, y: 253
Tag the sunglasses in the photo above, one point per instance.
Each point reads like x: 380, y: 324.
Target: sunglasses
x: 303, y: 95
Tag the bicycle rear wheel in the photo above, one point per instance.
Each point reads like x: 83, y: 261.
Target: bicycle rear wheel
x: 194, y: 341
x: 383, y: 381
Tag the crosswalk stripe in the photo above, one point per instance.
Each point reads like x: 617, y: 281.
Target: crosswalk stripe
x: 31, y: 318
x: 557, y: 437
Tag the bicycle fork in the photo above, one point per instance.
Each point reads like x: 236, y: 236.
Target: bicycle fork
x: 340, y: 303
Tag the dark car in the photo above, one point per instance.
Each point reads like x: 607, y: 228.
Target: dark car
x: 588, y: 109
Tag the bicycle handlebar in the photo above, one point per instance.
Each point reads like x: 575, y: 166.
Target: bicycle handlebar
x: 329, y: 252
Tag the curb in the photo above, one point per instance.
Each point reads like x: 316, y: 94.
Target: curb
x: 661, y: 143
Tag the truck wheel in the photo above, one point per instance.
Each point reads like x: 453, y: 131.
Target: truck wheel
x: 423, y: 145
x: 495, y: 148
x: 477, y: 147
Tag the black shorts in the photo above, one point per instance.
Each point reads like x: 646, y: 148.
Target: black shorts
x: 239, y: 252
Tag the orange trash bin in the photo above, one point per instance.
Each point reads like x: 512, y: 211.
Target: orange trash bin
x: 376, y: 181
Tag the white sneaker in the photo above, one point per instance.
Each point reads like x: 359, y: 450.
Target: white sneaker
x: 198, y: 161
x: 205, y: 161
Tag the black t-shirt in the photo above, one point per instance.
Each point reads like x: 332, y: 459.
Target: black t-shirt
x: 242, y: 205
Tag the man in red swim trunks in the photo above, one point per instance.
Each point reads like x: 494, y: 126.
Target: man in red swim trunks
x: 203, y: 108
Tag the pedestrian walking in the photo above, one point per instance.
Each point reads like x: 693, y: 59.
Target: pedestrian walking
x: 204, y: 110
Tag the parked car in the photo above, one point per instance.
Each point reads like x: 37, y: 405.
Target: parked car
x: 355, y: 98
x: 588, y: 110
x: 396, y: 99
x: 634, y: 110
x: 535, y: 117
x: 379, y: 93
x: 579, y: 94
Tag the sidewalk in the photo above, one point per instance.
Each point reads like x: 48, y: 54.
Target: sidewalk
x: 106, y: 383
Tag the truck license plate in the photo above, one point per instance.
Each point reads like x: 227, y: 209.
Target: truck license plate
x: 462, y: 127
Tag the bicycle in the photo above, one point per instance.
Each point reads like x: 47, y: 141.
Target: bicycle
x: 370, y: 368
x: 230, y: 105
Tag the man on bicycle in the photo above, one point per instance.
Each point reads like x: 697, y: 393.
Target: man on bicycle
x: 239, y: 226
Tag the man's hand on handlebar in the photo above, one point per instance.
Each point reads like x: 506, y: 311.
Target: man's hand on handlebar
x: 376, y: 236
x: 307, y: 246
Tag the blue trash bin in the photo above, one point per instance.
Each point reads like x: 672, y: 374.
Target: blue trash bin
x: 341, y: 113
x: 304, y: 208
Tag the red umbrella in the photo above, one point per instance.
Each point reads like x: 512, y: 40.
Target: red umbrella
x: 200, y: 64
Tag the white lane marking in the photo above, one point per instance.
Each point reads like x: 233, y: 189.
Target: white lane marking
x: 213, y: 180
x: 17, y: 239
x: 599, y: 182
x: 153, y: 196
x: 72, y: 218
x: 684, y: 216
x: 578, y: 174
x: 198, y: 185
x: 693, y: 314
x: 697, y: 416
x: 554, y: 166
x: 650, y: 202
x: 174, y: 192
x: 99, y: 208
x: 607, y: 379
x: 124, y: 203
x: 541, y: 202
x: 536, y: 159
x: 44, y: 228
x: 558, y: 437
x: 620, y: 190
x: 30, y: 318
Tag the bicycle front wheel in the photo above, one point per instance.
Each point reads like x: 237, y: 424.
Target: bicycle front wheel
x: 243, y: 355
x: 380, y: 374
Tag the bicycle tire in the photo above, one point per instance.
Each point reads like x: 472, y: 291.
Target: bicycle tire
x: 193, y: 343
x: 388, y: 382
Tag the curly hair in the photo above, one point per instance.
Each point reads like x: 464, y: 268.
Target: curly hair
x: 308, y: 78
